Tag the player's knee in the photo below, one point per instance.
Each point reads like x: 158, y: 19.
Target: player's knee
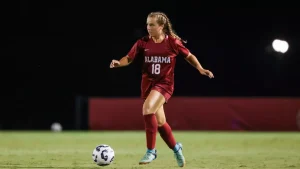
x: 161, y: 121
x: 147, y: 110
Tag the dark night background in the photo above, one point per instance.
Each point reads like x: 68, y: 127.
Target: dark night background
x: 63, y: 50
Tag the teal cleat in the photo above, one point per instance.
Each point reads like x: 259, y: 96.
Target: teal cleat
x: 179, y: 155
x: 148, y: 157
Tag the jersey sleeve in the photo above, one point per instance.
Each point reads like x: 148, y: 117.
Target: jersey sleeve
x: 135, y: 50
x: 182, y: 50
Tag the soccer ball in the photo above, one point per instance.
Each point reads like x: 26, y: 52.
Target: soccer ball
x: 103, y: 155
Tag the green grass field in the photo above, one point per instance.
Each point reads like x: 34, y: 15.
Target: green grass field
x: 203, y: 150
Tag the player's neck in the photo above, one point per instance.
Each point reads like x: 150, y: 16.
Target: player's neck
x: 158, y: 39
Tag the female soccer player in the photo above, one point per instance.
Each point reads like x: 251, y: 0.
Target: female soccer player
x: 159, y: 50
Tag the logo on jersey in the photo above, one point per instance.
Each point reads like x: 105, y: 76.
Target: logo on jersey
x: 157, y: 59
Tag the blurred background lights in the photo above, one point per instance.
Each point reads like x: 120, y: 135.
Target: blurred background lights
x: 280, y: 46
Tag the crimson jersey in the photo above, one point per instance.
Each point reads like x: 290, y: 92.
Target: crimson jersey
x: 159, y: 58
x: 159, y: 61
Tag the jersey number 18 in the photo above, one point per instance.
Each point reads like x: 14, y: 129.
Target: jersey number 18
x: 156, y: 69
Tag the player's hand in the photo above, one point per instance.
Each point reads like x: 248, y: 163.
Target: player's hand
x: 207, y: 73
x: 114, y: 63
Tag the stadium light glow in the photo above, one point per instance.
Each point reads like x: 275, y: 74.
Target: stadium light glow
x: 280, y: 46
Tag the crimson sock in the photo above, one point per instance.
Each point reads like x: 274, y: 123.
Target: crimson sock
x: 151, y: 130
x: 166, y: 134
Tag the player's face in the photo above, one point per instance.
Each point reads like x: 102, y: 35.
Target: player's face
x: 153, y: 28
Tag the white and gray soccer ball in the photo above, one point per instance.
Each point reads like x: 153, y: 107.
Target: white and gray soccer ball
x: 103, y: 155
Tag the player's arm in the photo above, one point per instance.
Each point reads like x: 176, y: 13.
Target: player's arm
x: 124, y: 61
x: 192, y: 59
x: 188, y: 56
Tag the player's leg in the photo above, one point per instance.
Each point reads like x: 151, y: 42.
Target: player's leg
x: 164, y: 129
x: 152, y: 103
x: 166, y: 134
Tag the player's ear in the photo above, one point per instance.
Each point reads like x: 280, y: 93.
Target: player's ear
x: 161, y: 27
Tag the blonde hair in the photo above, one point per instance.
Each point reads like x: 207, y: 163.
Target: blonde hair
x: 162, y: 19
